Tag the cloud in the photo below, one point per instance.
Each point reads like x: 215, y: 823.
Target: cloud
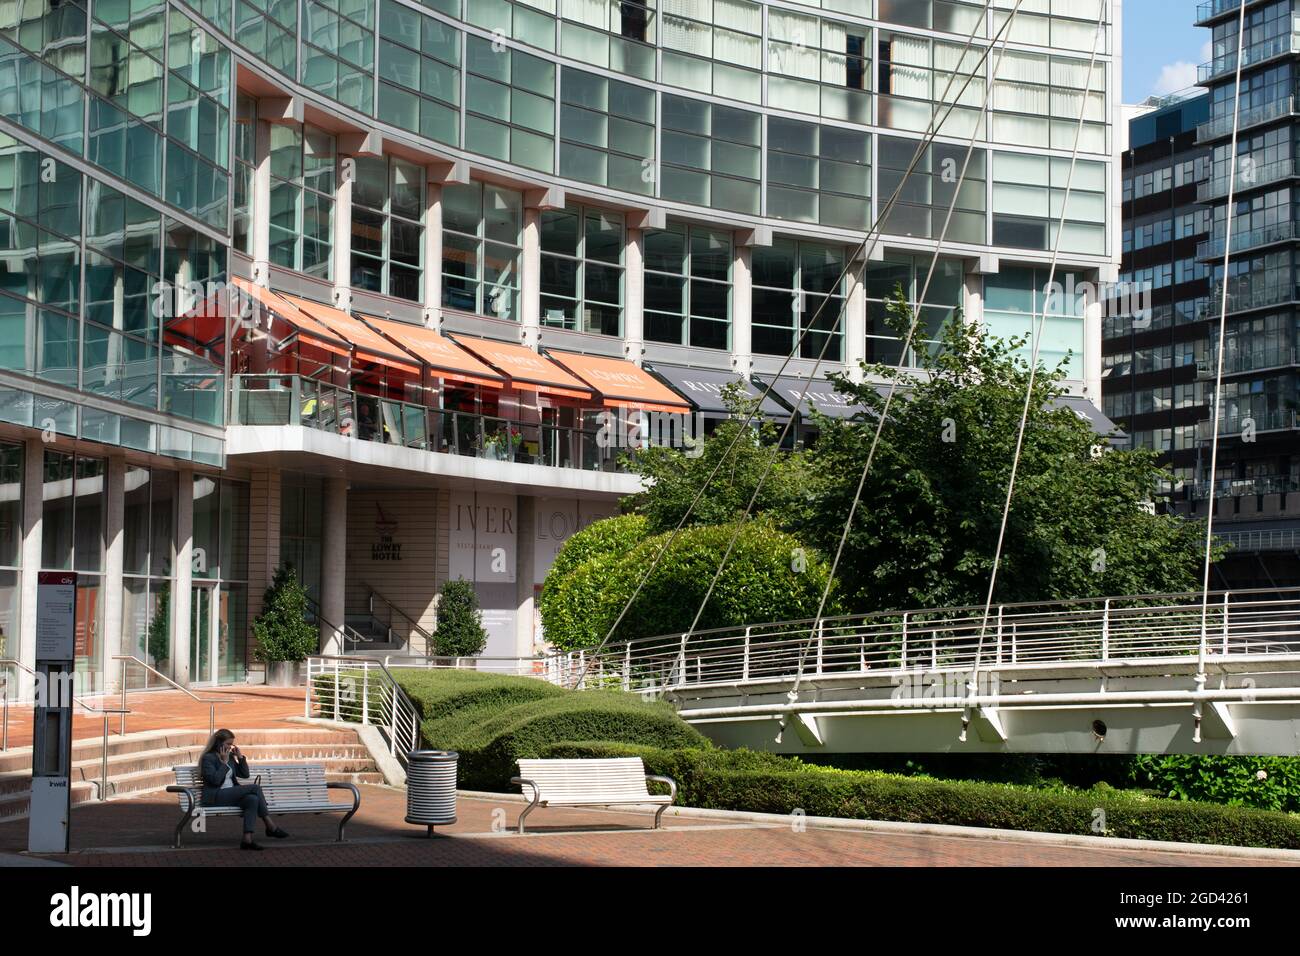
x: 1174, y: 77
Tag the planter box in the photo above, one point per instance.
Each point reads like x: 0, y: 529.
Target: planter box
x: 284, y: 674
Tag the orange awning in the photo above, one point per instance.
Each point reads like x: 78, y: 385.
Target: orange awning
x: 621, y: 384
x: 526, y: 369
x: 446, y: 358
x: 370, y: 346
x: 308, y: 329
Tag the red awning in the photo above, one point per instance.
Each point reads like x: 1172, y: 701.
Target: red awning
x: 307, y: 329
x: 527, y: 369
x: 621, y: 384
x: 369, y: 345
x: 443, y: 356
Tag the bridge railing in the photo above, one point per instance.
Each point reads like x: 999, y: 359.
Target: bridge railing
x: 1091, y: 630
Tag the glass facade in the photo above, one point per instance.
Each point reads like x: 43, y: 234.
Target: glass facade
x: 686, y: 176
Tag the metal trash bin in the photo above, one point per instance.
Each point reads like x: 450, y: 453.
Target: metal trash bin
x: 431, y: 787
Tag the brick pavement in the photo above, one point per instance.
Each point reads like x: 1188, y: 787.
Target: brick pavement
x: 137, y: 832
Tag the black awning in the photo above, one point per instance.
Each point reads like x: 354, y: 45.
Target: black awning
x: 820, y: 394
x: 1092, y: 415
x: 702, y: 387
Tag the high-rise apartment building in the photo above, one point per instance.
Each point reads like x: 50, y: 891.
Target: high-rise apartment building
x: 459, y: 232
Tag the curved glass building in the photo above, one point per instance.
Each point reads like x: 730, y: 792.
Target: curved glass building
x: 381, y: 288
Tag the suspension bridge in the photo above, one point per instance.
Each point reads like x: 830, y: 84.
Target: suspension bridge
x: 1147, y: 674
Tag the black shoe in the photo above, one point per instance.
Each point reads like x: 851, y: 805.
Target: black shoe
x: 250, y: 846
x: 277, y: 833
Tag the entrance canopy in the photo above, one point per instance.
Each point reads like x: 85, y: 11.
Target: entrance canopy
x: 526, y: 369
x: 621, y: 384
x: 368, y: 344
x: 702, y: 387
x: 443, y: 356
x: 1090, y: 414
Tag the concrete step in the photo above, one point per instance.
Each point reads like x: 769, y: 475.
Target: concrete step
x: 249, y: 740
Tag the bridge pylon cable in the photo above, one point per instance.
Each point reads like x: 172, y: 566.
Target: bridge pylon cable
x: 1033, y: 363
x: 1218, y: 371
x: 863, y: 250
x: 1004, y: 37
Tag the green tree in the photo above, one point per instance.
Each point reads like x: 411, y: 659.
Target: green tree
x: 926, y: 528
x: 282, y: 630
x: 460, y: 630
x: 736, y: 455
x: 159, y: 644
x: 769, y: 576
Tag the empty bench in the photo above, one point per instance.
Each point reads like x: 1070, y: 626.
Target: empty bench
x: 603, y: 782
x: 288, y: 788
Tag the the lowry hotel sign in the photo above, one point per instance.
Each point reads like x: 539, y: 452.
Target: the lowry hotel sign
x: 385, y: 548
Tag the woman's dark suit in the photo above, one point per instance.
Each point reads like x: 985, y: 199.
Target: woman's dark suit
x: 248, y: 797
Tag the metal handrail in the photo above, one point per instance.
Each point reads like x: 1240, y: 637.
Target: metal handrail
x: 381, y: 703
x: 1064, y: 633
x: 414, y: 624
x: 210, y: 701
x: 101, y: 785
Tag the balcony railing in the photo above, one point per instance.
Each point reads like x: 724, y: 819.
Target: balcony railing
x: 1245, y: 241
x: 1278, y: 46
x: 1245, y: 487
x: 1254, y: 360
x: 1278, y: 419
x: 1277, y: 539
x: 1217, y: 8
x: 1221, y: 126
x: 295, y: 400
x: 1247, y: 178
x: 1245, y: 295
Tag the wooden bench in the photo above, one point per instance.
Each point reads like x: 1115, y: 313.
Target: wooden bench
x: 288, y: 788
x: 602, y: 782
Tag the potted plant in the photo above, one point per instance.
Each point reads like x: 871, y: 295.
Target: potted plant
x: 284, y: 635
x: 459, y: 632
x: 158, y: 644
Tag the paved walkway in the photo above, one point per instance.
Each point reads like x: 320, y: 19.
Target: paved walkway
x: 242, y: 706
x: 137, y: 832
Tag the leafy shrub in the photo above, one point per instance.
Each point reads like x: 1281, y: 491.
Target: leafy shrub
x: 492, y: 721
x: 460, y: 622
x: 282, y: 631
x: 769, y: 576
x: 766, y: 783
x: 1232, y: 780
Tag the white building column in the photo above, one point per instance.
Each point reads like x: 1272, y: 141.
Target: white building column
x: 855, y: 321
x: 742, y: 327
x: 530, y: 279
x: 634, y: 295
x: 333, y: 564
x: 114, y: 549
x: 33, y: 482
x: 260, y: 221
x: 341, y: 251
x: 183, y: 578
x: 973, y: 299
x: 433, y: 253
x: 525, y: 557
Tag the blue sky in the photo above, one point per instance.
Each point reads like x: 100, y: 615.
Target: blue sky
x: 1162, y: 48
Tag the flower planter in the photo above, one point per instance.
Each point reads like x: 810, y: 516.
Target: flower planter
x: 284, y: 674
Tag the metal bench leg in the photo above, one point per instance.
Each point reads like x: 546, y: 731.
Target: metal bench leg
x: 537, y: 798
x: 356, y: 805
x: 659, y: 817
x: 180, y: 827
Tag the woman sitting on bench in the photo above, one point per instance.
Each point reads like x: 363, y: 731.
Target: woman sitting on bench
x: 219, y: 770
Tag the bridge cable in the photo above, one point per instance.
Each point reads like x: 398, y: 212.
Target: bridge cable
x: 1218, y: 372
x: 1033, y: 367
x: 902, y: 361
x: 863, y: 250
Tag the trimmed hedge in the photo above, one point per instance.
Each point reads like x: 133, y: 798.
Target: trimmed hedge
x: 767, y: 783
x: 1266, y: 783
x: 770, y: 576
x: 492, y: 721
